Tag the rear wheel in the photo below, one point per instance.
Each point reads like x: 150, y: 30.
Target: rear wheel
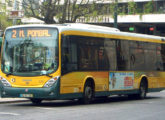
x: 143, y: 90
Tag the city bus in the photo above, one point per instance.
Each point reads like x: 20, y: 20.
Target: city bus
x: 79, y: 61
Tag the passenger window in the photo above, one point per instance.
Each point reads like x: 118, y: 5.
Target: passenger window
x: 150, y: 56
x: 137, y: 56
x: 69, y: 54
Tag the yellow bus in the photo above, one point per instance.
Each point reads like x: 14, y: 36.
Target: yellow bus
x: 79, y: 61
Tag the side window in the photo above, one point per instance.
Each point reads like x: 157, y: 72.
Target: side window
x: 159, y: 62
x: 103, y: 58
x: 69, y: 54
x: 103, y: 63
x: 123, y: 61
x: 110, y: 48
x: 150, y: 56
x: 163, y: 55
x: 90, y: 53
x: 87, y: 57
x: 136, y: 55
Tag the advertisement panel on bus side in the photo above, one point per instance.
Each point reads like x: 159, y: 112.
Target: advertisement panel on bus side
x: 121, y: 80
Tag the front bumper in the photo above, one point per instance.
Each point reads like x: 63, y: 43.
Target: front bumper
x: 41, y: 93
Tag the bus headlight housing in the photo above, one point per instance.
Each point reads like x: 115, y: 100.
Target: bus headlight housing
x: 50, y: 82
x: 5, y: 82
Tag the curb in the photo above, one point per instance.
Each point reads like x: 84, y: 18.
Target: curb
x: 12, y: 100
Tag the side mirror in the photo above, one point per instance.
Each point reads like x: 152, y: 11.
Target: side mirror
x: 2, y: 35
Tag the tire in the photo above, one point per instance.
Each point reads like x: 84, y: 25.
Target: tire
x: 88, y: 94
x: 36, y: 101
x: 143, y: 90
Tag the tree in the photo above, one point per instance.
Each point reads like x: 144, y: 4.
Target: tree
x: 132, y: 7
x: 59, y: 11
x: 4, y: 21
x: 149, y: 7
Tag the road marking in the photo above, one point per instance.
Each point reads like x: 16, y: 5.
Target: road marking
x: 150, y: 102
x: 7, y: 113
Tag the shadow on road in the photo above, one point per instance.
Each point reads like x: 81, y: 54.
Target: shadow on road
x: 69, y: 103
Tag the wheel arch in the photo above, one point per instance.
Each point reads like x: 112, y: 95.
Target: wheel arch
x: 88, y: 90
x: 91, y: 80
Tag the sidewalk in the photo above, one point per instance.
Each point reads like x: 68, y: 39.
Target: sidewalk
x: 12, y: 100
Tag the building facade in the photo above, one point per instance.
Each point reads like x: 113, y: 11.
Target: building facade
x: 141, y: 16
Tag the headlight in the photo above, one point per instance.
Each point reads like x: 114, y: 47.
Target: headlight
x: 50, y: 82
x: 5, y: 82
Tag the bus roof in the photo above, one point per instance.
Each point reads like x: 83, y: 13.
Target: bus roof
x: 92, y: 29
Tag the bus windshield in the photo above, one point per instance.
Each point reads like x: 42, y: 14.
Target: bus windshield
x: 30, y: 51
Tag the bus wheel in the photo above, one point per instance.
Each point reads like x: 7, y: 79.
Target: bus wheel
x: 143, y: 89
x: 36, y: 101
x: 88, y: 94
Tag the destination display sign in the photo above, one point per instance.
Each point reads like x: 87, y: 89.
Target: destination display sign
x: 20, y: 33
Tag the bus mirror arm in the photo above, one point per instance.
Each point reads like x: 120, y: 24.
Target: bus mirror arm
x: 48, y: 75
x: 8, y: 74
x: 43, y: 72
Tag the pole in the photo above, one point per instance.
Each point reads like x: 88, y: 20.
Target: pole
x: 14, y: 8
x: 115, y: 13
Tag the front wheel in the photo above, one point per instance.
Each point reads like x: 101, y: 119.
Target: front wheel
x: 36, y: 101
x: 88, y: 94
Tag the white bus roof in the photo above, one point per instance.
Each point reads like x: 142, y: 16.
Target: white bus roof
x: 91, y: 28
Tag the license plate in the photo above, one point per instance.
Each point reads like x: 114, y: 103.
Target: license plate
x: 26, y: 95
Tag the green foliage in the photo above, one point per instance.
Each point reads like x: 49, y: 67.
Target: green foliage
x: 149, y: 8
x: 132, y: 8
x: 4, y: 22
x: 121, y: 10
x: 70, y: 11
x: 141, y: 16
x: 112, y: 7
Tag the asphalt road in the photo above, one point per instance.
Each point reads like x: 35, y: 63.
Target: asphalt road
x: 113, y: 108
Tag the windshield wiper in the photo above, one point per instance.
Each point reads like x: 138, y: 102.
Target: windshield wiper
x: 48, y: 75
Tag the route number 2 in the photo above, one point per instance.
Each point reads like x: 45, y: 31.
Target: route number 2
x: 14, y: 34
